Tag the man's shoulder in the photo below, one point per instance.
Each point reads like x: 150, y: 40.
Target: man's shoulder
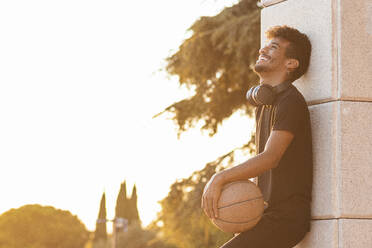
x: 292, y: 97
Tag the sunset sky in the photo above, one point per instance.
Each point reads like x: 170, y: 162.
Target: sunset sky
x: 79, y: 84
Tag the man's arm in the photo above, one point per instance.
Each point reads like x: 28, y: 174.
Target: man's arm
x: 276, y: 145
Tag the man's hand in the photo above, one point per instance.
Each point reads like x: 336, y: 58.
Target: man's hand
x: 276, y: 146
x: 211, y: 195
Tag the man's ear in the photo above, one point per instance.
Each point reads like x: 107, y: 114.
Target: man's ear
x: 292, y: 64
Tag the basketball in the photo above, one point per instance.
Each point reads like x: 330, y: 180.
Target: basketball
x: 240, y: 207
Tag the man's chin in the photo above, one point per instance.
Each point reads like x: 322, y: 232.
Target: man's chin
x: 259, y: 68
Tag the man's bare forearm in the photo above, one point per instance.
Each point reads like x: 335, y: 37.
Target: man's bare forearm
x: 249, y: 169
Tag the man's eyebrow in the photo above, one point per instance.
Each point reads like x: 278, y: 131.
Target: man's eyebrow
x: 275, y: 43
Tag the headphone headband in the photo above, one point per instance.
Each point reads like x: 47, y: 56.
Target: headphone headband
x: 265, y: 94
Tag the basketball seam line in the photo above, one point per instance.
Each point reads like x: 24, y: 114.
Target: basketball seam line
x: 245, y: 222
x: 260, y: 197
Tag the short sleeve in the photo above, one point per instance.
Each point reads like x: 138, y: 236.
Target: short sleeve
x: 290, y: 114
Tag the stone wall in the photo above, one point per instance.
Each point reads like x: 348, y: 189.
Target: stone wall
x: 338, y: 88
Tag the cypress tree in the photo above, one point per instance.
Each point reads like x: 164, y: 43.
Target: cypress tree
x: 121, y: 209
x: 134, y: 216
x: 101, y: 231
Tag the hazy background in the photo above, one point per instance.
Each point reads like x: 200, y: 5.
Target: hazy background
x: 79, y: 84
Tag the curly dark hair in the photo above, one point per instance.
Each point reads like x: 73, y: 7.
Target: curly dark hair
x: 299, y: 47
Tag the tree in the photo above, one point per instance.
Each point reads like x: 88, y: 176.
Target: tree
x: 100, y: 234
x: 121, y: 208
x: 121, y: 214
x: 134, y: 216
x: 127, y: 207
x: 137, y: 237
x: 181, y: 220
x: 38, y: 226
x: 215, y: 62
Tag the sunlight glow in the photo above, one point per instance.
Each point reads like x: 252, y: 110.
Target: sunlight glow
x: 79, y: 85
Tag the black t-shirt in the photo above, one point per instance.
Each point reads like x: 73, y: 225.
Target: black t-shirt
x: 292, y: 178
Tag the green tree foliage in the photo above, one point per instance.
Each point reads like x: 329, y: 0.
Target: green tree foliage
x: 182, y: 221
x: 37, y: 226
x: 137, y: 237
x: 100, y: 244
x: 100, y: 233
x: 215, y: 62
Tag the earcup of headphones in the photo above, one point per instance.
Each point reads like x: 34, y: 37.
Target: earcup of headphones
x: 249, y: 97
x: 261, y: 95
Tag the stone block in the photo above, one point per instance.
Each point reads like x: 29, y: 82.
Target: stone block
x: 355, y: 233
x: 323, y: 124
x: 314, y: 18
x: 355, y: 159
x: 338, y: 233
x: 323, y: 234
x: 342, y: 145
x: 355, y: 50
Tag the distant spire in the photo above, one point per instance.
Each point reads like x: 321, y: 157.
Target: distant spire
x: 121, y: 209
x: 124, y: 188
x: 134, y: 192
x: 101, y: 231
x: 134, y: 210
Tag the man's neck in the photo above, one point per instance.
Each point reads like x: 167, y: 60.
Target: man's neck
x: 272, y: 80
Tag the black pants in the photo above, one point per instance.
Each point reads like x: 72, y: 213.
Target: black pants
x: 280, y: 227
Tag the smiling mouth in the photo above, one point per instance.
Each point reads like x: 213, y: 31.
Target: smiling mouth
x: 263, y: 58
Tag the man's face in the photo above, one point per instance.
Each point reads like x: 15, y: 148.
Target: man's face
x: 272, y: 57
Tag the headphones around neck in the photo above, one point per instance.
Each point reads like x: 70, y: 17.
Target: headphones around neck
x: 265, y: 94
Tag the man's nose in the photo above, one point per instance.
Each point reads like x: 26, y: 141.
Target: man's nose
x: 262, y: 50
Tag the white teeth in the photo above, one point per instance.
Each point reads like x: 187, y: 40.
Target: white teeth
x: 262, y: 58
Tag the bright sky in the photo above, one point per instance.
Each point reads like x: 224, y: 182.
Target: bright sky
x: 79, y: 84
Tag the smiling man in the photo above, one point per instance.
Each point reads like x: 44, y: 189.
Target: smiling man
x: 283, y: 163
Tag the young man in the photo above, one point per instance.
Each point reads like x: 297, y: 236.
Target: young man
x: 283, y: 163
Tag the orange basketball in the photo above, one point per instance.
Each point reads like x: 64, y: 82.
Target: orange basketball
x: 240, y: 207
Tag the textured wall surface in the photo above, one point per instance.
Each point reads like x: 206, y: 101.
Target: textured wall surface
x: 324, y: 123
x: 355, y: 159
x: 338, y: 89
x: 355, y: 233
x: 355, y: 43
x: 324, y: 234
x: 338, y: 233
x: 315, y: 19
x: 342, y: 143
